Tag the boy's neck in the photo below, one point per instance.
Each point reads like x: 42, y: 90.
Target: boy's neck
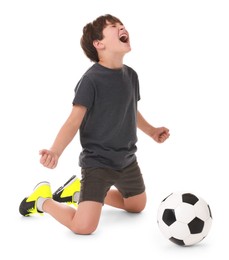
x: 111, y: 63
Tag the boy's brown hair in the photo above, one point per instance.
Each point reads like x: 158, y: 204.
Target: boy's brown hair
x: 94, y: 31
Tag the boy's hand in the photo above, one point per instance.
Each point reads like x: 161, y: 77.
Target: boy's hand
x: 160, y: 134
x: 48, y: 158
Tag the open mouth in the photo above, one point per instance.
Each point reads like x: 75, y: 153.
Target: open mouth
x: 124, y: 38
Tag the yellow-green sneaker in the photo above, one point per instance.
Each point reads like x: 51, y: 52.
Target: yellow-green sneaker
x: 69, y: 192
x: 28, y: 205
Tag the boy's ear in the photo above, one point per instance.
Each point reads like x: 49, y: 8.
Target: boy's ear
x: 98, y: 44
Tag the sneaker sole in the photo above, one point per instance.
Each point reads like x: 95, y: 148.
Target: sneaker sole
x: 67, y: 200
x: 40, y: 184
x: 69, y: 182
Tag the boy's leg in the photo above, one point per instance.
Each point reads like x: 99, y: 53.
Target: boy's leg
x: 130, y: 194
x: 83, y: 220
x: 131, y: 204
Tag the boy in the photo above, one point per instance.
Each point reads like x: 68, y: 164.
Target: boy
x: 105, y: 111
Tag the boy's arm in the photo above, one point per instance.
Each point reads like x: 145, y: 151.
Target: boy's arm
x: 159, y: 134
x: 49, y: 158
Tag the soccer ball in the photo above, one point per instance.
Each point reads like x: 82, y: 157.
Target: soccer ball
x: 184, y: 218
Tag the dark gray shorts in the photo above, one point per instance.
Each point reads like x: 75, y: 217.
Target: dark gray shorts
x: 96, y: 182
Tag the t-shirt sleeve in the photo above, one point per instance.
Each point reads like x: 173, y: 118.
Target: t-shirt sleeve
x: 84, y: 93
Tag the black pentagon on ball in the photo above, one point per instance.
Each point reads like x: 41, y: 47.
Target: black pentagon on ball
x: 196, y: 226
x: 177, y: 241
x: 169, y: 216
x: 189, y: 198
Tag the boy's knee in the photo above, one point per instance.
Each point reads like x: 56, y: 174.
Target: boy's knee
x: 136, y: 208
x: 83, y: 229
x: 135, y: 204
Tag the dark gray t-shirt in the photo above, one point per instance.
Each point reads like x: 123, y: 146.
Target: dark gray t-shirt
x: 108, y: 131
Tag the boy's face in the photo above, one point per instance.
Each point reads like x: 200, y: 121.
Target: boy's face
x: 116, y: 38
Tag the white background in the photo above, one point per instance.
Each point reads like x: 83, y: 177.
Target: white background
x: 180, y: 51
